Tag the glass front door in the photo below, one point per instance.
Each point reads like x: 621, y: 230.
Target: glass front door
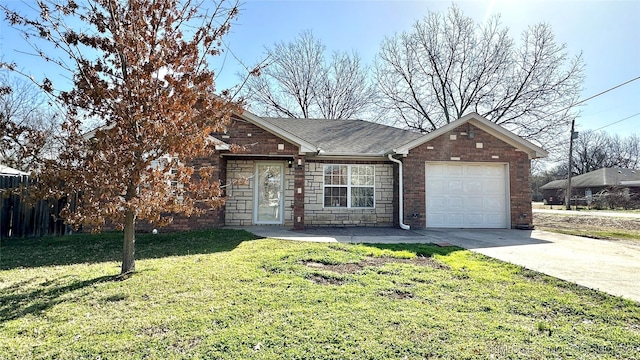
x: 269, y: 194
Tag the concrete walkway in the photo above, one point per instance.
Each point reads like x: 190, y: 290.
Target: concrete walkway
x: 608, y: 266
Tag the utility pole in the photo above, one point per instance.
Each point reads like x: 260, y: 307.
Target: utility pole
x: 574, y: 135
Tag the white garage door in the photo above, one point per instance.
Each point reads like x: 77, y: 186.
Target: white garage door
x: 467, y: 195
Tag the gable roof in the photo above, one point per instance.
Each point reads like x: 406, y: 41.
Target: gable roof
x: 337, y: 137
x: 491, y: 128
x: 598, y: 178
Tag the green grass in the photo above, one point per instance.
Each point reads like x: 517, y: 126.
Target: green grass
x: 226, y: 295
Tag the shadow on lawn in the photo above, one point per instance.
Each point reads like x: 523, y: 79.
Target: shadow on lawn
x: 94, y: 248
x: 16, y: 303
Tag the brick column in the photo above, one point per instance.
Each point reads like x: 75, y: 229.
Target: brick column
x: 298, y: 193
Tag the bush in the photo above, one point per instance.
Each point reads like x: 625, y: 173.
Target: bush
x: 616, y: 197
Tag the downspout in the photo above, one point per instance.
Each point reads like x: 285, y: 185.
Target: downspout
x: 400, y: 193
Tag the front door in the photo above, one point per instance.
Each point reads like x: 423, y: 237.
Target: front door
x: 269, y: 195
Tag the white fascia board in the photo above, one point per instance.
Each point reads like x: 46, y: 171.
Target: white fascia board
x: 491, y: 128
x: 218, y: 144
x: 91, y: 133
x: 346, y: 157
x: 305, y: 147
x: 9, y: 171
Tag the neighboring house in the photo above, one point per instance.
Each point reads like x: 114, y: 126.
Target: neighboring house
x: 9, y: 171
x: 470, y: 173
x: 587, y: 185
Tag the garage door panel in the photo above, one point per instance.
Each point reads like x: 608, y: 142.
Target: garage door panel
x: 466, y: 195
x: 474, y: 203
x: 475, y: 220
x: 437, y: 186
x: 456, y: 218
x: 474, y: 186
x: 490, y: 204
x: 455, y: 185
x: 494, y: 171
x: 437, y: 219
x: 493, y: 186
x: 436, y: 203
x: 455, y: 203
x: 475, y: 170
x: 453, y: 170
x: 494, y: 220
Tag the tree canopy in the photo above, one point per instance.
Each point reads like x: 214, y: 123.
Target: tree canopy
x: 448, y: 65
x: 298, y: 81
x: 27, y: 123
x: 141, y: 69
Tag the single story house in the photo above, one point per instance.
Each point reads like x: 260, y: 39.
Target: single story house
x: 586, y: 185
x: 470, y: 173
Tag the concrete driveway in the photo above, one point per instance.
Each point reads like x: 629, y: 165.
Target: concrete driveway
x: 612, y: 267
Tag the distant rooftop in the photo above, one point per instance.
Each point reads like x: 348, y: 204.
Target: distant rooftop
x: 6, y: 170
x: 598, y: 178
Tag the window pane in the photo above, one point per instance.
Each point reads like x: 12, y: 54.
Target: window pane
x: 362, y: 197
x: 342, y: 174
x: 335, y: 197
x: 335, y: 175
x: 362, y: 175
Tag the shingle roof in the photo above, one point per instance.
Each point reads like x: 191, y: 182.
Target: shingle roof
x: 348, y: 137
x: 597, y: 178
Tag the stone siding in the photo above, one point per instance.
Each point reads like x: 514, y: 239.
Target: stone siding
x: 241, y: 189
x: 315, y: 214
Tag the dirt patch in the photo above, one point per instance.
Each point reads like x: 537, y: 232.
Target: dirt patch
x: 396, y: 294
x: 352, y: 268
x: 325, y: 279
x: 586, y: 223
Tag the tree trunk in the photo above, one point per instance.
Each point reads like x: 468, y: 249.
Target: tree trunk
x: 129, y: 244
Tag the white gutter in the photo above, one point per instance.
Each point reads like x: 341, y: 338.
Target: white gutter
x: 400, y: 194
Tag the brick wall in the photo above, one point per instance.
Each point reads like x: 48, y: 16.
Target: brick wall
x: 316, y: 215
x: 463, y: 149
x: 255, y: 140
x: 238, y: 210
x: 210, y: 219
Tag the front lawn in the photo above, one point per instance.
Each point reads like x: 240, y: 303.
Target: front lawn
x: 226, y: 295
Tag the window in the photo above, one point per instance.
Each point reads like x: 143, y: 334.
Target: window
x: 350, y: 186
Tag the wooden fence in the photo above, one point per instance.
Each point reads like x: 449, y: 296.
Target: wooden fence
x: 19, y: 218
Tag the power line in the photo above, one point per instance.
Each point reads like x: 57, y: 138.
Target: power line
x: 615, y: 122
x: 600, y: 93
x: 587, y: 99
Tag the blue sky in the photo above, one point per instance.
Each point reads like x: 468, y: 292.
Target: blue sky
x: 606, y: 32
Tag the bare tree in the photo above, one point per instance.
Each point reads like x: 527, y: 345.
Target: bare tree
x: 591, y: 151
x: 597, y: 149
x: 449, y: 65
x: 27, y: 123
x: 298, y: 82
x: 142, y: 67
